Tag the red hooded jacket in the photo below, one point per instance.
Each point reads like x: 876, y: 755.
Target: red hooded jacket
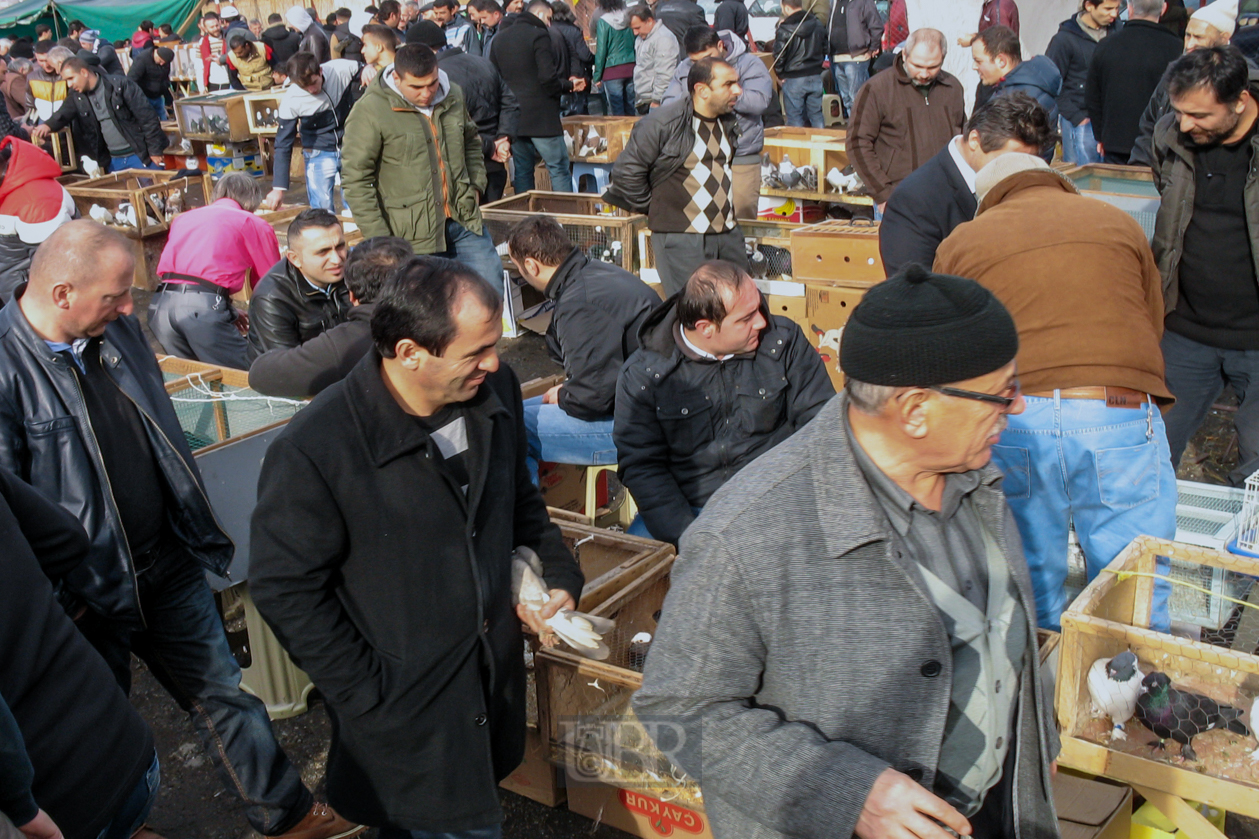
x: 32, y: 205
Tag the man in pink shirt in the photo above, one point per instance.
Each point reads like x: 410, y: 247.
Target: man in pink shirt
x: 209, y: 255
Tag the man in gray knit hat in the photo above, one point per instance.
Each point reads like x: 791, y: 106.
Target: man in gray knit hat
x: 849, y: 646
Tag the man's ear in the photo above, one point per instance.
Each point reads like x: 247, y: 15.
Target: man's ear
x: 911, y: 410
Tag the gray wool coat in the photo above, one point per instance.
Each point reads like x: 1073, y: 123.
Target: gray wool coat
x: 812, y: 657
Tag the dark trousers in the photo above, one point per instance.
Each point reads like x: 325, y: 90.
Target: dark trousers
x: 198, y: 325
x: 495, y: 183
x: 1196, y: 375
x: 1116, y: 158
x: 679, y: 254
x: 185, y: 646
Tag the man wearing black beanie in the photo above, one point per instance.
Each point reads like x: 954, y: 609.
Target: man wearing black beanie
x: 851, y: 622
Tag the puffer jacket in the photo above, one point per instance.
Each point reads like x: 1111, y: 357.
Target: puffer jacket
x: 684, y: 424
x: 614, y: 42
x: 319, y: 118
x: 1039, y: 78
x: 32, y: 205
x: 46, y: 439
x: 758, y: 90
x: 1071, y: 50
x: 396, y: 160
x: 255, y: 72
x: 135, y: 117
x: 800, y: 46
x: 658, y: 146
x: 656, y: 57
x: 286, y: 311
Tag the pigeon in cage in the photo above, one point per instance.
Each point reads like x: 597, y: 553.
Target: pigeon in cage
x: 126, y: 215
x: 584, y: 633
x: 99, y: 214
x: 808, y: 178
x: 1114, y: 685
x: 778, y: 259
x: 1181, y: 715
x: 174, y: 204
x: 757, y: 261
x: 769, y: 173
x: 787, y: 173
x: 638, y: 647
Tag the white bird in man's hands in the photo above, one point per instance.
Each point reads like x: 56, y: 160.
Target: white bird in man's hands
x: 1115, y: 686
x: 584, y: 633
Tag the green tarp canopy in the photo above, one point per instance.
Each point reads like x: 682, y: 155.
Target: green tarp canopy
x: 114, y: 19
x: 20, y: 18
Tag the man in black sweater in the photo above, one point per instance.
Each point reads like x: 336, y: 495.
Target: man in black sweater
x: 593, y: 329
x: 1124, y: 74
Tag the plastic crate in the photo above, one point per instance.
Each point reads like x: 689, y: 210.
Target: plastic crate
x: 1207, y: 515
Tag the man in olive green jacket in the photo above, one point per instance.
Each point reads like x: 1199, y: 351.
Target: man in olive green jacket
x: 411, y: 164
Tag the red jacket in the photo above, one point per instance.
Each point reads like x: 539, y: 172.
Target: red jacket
x: 32, y: 206
x: 999, y: 13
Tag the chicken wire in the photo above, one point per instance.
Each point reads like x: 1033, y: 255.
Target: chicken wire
x: 210, y: 412
x: 602, y: 232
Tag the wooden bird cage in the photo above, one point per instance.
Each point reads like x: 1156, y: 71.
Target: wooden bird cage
x: 602, y: 231
x: 61, y: 146
x: 262, y: 112
x: 213, y: 117
x: 822, y: 148
x: 612, y: 132
x: 841, y: 252
x: 215, y: 404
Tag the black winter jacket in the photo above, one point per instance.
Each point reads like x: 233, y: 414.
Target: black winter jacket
x: 46, y: 439
x: 1071, y: 49
x: 315, y: 40
x: 863, y: 28
x: 684, y: 424
x: 489, y: 100
x: 284, y: 43
x: 1124, y: 74
x: 594, y: 328
x: 923, y: 210
x: 523, y: 56
x: 581, y: 61
x: 108, y: 57
x: 87, y: 746
x: 135, y: 117
x: 392, y: 589
x: 732, y: 16
x: 286, y: 311
x: 303, y: 371
x: 800, y: 46
x: 153, y: 78
x: 679, y: 16
x: 658, y: 145
x: 1160, y: 104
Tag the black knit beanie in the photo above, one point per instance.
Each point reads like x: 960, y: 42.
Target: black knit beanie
x: 919, y: 329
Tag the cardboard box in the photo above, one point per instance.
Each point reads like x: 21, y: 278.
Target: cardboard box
x: 790, y: 209
x: 638, y: 813
x: 789, y: 307
x: 513, y: 306
x: 1092, y: 809
x: 536, y: 777
x: 826, y: 310
x: 1148, y: 822
x: 563, y: 486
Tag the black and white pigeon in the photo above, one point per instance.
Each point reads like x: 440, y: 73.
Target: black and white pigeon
x: 1114, y: 685
x: 1181, y: 715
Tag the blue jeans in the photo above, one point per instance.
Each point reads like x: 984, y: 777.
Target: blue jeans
x: 131, y: 161
x: 618, y: 94
x: 159, y: 105
x: 321, y: 177
x: 849, y: 77
x: 1078, y: 145
x: 556, y: 437
x: 527, y: 151
x: 476, y: 251
x: 494, y: 831
x: 802, y: 101
x: 572, y: 104
x: 185, y: 647
x: 135, y: 808
x: 1106, y: 468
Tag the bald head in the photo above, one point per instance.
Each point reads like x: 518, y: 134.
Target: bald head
x: 80, y: 282
x: 76, y: 253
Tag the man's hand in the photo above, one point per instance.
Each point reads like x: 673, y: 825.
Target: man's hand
x: 159, y: 161
x: 40, y: 132
x: 273, y: 200
x: 502, y: 150
x: 242, y: 322
x: 536, y: 621
x: 40, y: 827
x: 898, y: 806
x: 1101, y: 150
x: 882, y: 207
x: 368, y: 74
x: 967, y: 40
x: 579, y: 84
x: 552, y: 396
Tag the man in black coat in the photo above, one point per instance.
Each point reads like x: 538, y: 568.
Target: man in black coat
x: 303, y: 371
x: 284, y: 42
x: 523, y: 55
x: 939, y: 195
x: 598, y: 308
x: 488, y: 98
x: 388, y: 511
x: 150, y: 69
x: 1125, y: 72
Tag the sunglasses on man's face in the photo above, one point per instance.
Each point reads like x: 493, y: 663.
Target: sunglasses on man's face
x: 1005, y: 399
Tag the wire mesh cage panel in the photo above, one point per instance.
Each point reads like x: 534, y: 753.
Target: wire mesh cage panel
x: 1248, y: 517
x: 215, y: 404
x: 1208, y: 515
x: 1112, y: 616
x: 601, y: 231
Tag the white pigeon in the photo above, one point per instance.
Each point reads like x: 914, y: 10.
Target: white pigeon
x: 1253, y: 719
x: 787, y: 172
x: 1115, y: 685
x: 90, y: 167
x: 99, y: 214
x: 584, y: 633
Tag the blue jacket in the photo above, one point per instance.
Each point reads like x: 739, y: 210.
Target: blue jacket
x: 1039, y: 78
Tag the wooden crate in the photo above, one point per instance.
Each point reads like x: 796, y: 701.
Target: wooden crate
x: 822, y: 148
x: 594, y: 226
x: 209, y: 421
x: 262, y: 112
x: 609, y: 559
x: 214, y: 117
x: 1112, y: 615
x: 61, y: 146
x: 187, y: 64
x: 615, y: 130
x: 838, y: 251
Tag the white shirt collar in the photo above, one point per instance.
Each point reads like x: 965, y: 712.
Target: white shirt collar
x: 968, y: 174
x: 699, y: 352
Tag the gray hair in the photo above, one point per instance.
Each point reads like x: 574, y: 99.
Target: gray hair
x: 21, y: 65
x: 411, y: 4
x: 5, y: 43
x: 241, y: 188
x: 868, y: 398
x: 930, y: 37
x: 1152, y: 9
x: 254, y: 20
x: 58, y: 55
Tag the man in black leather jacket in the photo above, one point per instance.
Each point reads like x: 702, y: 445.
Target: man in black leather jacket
x: 304, y: 295
x: 800, y: 48
x: 85, y: 419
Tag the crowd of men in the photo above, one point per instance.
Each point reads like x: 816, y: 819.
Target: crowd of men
x: 1034, y: 362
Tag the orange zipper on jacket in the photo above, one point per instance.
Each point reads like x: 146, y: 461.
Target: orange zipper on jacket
x: 437, y: 149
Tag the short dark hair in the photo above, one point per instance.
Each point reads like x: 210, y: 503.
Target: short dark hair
x: 702, y: 73
x: 43, y: 47
x: 343, y: 12
x: 388, y: 8
x: 700, y: 38
x: 1001, y: 40
x: 1222, y: 69
x: 76, y: 64
x: 371, y: 264
x: 166, y: 29
x: 446, y: 4
x: 311, y: 218
x: 275, y: 17
x: 415, y: 60
x: 41, y: 28
x: 75, y: 26
x: 701, y: 298
x: 371, y: 10
x: 642, y: 11
x: 562, y: 10
x: 1012, y: 116
x: 418, y: 303
x: 302, y: 68
x: 146, y: 26
x: 539, y: 237
x: 210, y: 16
x: 534, y: 4
x: 236, y: 40
x: 611, y: 5
x: 485, y: 6
x: 382, y: 33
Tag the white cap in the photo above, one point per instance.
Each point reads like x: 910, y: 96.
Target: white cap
x: 1222, y: 14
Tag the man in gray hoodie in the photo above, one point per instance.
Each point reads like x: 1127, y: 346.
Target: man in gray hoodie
x: 758, y: 89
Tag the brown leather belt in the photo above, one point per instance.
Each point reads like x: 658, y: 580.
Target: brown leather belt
x: 1114, y: 397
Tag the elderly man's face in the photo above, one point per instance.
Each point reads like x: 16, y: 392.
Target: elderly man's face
x: 923, y: 63
x: 961, y: 431
x: 255, y: 26
x: 1201, y: 35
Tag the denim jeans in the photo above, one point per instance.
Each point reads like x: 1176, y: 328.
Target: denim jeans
x: 802, y: 101
x: 135, y: 808
x: 321, y: 177
x: 131, y: 161
x: 1078, y: 145
x: 556, y: 437
x: 1196, y: 374
x: 159, y: 105
x: 849, y: 77
x: 527, y: 151
x: 186, y: 648
x: 494, y: 831
x: 618, y: 94
x: 475, y: 251
x: 1105, y: 468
